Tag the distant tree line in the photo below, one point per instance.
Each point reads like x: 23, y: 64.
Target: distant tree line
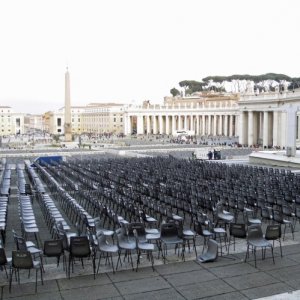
x: 238, y: 83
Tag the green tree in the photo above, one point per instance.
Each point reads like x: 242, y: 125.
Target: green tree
x: 174, y: 92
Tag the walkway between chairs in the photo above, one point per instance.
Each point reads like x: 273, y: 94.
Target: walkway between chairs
x: 223, y: 279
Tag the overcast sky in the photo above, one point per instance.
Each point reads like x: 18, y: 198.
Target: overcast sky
x: 135, y: 50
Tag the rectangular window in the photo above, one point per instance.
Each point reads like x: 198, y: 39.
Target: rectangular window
x: 58, y: 121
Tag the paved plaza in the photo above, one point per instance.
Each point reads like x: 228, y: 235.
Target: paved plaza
x: 227, y: 278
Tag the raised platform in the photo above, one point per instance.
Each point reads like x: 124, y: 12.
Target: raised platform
x: 275, y: 158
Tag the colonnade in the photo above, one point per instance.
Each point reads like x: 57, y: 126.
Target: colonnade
x: 197, y: 123
x: 267, y: 128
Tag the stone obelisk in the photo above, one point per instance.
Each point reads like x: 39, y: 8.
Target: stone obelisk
x: 67, y: 125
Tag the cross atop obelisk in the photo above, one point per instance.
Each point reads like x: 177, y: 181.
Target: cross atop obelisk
x: 67, y: 125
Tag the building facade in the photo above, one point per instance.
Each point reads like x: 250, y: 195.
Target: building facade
x: 268, y: 119
x: 207, y: 114
x: 103, y: 118
x: 11, y: 123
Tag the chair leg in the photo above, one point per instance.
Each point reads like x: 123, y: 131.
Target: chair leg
x: 112, y: 263
x: 99, y: 262
x: 138, y: 259
x: 94, y: 265
x: 273, y: 255
x: 36, y: 274
x: 280, y: 248
x: 10, y: 278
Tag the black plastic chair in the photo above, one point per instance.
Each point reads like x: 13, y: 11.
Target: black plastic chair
x: 105, y: 248
x: 169, y: 236
x: 54, y: 248
x: 206, y: 234
x: 21, y: 245
x: 273, y: 233
x: 125, y: 244
x: 23, y: 260
x: 145, y: 247
x: 4, y: 261
x: 80, y: 248
x: 255, y: 240
x: 278, y: 217
x: 236, y: 231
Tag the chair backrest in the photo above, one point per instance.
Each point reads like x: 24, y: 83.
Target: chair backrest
x: 168, y: 229
x: 179, y: 225
x: 3, y: 259
x: 63, y: 237
x: 80, y: 246
x: 266, y: 212
x: 273, y: 232
x: 60, y: 225
x: 198, y: 228
x: 238, y: 230
x: 278, y: 217
x: 138, y: 226
x: 212, y: 249
x: 254, y: 232
x: 53, y: 247
x: 287, y: 210
x: 20, y: 243
x: 101, y: 238
x: 22, y: 259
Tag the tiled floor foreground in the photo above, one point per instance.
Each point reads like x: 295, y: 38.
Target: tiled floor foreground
x: 223, y: 279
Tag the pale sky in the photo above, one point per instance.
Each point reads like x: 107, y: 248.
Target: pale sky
x: 135, y: 50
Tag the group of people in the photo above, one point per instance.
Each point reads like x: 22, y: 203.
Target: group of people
x: 214, y: 154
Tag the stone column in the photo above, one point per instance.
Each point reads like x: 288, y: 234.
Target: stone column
x: 242, y: 128
x: 261, y: 121
x: 291, y: 130
x: 298, y: 126
x: 220, y: 125
x: 215, y: 125
x: 266, y: 129
x: 192, y: 123
x: 173, y: 124
x: 167, y: 125
x: 160, y: 123
x: 125, y: 124
x: 231, y: 125
x: 128, y: 125
x: 179, y: 123
x: 203, y: 125
x: 148, y: 124
x: 185, y: 123
x: 226, y: 125
x: 275, y: 128
x: 154, y: 124
x: 209, y: 125
x: 250, y: 128
x: 197, y: 131
x: 140, y: 125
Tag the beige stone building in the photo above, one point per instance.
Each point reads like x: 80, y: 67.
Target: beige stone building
x: 96, y: 118
x: 10, y: 122
x: 99, y: 118
x: 33, y: 123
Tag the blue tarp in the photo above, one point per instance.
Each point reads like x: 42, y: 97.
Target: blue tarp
x: 48, y: 159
